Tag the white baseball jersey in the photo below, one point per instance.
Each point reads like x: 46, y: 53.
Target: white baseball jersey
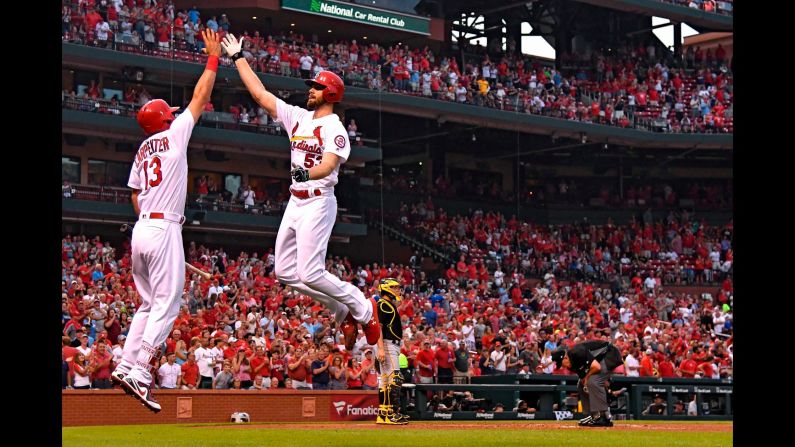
x: 160, y: 169
x: 302, y: 241
x: 160, y: 172
x: 311, y: 138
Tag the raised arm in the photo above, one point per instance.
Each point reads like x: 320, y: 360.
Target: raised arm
x: 203, y: 89
x: 261, y: 95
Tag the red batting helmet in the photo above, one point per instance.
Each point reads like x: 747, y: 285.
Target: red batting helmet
x: 156, y: 116
x: 333, y: 87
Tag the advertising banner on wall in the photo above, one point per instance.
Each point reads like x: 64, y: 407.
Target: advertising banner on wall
x: 353, y: 407
x: 361, y: 14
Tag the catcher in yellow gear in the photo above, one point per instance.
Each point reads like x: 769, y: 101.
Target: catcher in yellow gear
x: 388, y: 353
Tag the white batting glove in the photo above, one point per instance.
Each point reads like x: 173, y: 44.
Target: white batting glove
x: 231, y: 45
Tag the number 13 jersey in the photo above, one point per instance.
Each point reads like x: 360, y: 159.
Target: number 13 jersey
x: 160, y: 168
x: 311, y: 138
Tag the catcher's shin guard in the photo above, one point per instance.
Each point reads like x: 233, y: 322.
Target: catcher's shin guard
x: 395, y: 387
x: 383, y: 398
x: 386, y: 413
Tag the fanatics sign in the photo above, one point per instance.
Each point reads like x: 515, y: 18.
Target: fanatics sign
x: 354, y: 407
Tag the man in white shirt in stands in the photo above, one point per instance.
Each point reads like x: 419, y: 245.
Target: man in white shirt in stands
x: 206, y: 360
x: 168, y: 374
x: 118, y: 349
x: 631, y: 364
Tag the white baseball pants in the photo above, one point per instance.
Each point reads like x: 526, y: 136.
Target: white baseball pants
x: 158, y: 267
x: 301, y: 246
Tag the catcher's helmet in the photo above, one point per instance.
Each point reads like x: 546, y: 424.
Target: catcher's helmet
x: 156, y: 116
x: 332, y: 85
x: 389, y: 287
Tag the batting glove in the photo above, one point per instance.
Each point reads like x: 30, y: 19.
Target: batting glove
x: 231, y: 45
x: 299, y: 174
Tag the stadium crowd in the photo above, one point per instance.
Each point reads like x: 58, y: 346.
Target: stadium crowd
x: 676, y: 251
x: 579, y: 192
x: 638, y: 85
x: 242, y: 329
x: 719, y: 7
x: 517, y: 291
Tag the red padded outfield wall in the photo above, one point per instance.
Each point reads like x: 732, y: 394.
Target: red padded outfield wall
x: 113, y: 407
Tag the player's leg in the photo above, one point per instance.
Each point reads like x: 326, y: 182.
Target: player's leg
x: 285, y: 263
x: 167, y: 279
x: 140, y: 272
x: 597, y: 398
x: 585, y: 401
x: 313, y: 232
x: 383, y: 381
x: 392, y: 361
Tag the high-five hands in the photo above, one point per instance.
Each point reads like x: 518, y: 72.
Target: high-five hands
x: 212, y: 42
x: 231, y: 45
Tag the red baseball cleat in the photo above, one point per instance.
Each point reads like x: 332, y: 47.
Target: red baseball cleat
x: 348, y: 327
x: 372, y: 329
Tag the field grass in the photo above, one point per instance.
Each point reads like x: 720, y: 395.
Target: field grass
x: 366, y: 435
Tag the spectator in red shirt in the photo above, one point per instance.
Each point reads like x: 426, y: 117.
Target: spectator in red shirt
x: 647, y: 365
x: 666, y: 368
x: 425, y: 361
x: 298, y: 369
x: 444, y: 358
x: 92, y: 18
x: 190, y: 373
x: 260, y: 368
x: 687, y: 368
x: 99, y: 365
x: 451, y: 274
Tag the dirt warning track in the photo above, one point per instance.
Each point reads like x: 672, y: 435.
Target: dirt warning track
x: 420, y: 425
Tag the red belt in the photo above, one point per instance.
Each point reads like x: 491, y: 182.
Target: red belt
x: 155, y: 215
x: 305, y: 193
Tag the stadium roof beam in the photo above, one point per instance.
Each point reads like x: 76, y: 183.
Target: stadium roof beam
x: 646, y: 30
x: 675, y: 13
x: 506, y: 7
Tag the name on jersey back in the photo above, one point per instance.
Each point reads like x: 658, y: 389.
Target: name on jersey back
x: 149, y: 147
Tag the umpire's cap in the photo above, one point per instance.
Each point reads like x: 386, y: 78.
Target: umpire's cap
x: 557, y: 356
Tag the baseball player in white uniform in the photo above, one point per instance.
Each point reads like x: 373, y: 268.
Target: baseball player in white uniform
x: 159, y: 179
x: 319, y: 145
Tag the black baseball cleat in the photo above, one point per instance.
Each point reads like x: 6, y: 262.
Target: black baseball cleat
x: 117, y: 377
x: 585, y: 420
x: 598, y: 422
x: 402, y: 418
x: 141, y: 392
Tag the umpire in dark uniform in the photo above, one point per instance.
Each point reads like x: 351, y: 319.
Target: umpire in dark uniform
x: 593, y: 361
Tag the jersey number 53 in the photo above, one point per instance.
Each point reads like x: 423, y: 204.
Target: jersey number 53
x: 312, y: 159
x: 157, y: 176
